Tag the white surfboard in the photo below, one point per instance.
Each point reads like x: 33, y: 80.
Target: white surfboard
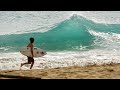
x: 37, y: 52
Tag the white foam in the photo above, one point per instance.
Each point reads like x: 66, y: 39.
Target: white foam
x: 12, y: 61
x: 107, y: 40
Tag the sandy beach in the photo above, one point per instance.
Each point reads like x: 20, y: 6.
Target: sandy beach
x: 111, y: 71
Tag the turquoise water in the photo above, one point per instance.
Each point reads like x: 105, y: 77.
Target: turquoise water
x: 72, y: 34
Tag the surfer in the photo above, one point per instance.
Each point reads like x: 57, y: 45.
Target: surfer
x: 30, y: 58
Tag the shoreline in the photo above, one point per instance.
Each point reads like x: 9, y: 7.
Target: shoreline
x: 109, y: 71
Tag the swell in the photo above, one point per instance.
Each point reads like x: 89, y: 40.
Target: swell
x: 72, y: 34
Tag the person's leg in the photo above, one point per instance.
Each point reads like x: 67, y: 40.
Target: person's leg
x: 24, y: 64
x: 29, y: 62
x: 32, y: 63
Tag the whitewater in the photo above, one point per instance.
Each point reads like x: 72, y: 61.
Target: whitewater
x: 70, y: 38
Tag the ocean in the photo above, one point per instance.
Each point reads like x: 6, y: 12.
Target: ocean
x: 70, y: 38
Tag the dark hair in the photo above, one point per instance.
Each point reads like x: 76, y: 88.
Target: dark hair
x: 31, y: 39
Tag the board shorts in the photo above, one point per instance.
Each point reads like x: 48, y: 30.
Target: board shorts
x: 30, y: 59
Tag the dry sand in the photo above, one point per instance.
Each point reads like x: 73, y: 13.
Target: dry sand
x: 111, y: 71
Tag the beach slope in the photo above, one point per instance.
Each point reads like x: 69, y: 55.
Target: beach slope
x: 111, y: 71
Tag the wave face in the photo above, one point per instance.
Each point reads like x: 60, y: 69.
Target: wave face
x: 75, y: 33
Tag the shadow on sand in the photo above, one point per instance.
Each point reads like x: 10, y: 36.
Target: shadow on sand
x: 16, y: 77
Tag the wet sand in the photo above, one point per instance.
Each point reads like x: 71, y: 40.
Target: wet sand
x: 111, y: 71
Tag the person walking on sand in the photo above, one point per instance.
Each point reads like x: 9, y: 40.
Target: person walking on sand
x: 30, y: 58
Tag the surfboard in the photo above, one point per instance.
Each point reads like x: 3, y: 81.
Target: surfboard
x: 37, y: 52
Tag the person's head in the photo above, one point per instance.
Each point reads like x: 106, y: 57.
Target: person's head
x: 31, y: 39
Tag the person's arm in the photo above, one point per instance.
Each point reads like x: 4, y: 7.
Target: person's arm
x: 32, y: 50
